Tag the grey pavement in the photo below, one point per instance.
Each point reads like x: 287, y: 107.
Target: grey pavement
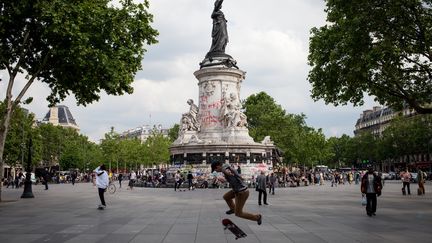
x: 67, y: 213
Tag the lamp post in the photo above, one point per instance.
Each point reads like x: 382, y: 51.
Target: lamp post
x: 28, y: 193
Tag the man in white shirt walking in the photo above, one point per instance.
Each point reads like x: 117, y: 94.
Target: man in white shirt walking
x: 132, y: 179
x: 102, y: 183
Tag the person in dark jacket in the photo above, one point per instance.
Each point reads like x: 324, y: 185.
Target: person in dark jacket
x: 262, y: 188
x: 371, y: 186
x: 190, y: 178
x: 235, y: 198
x: 120, y: 179
x: 74, y: 176
x: 46, y: 177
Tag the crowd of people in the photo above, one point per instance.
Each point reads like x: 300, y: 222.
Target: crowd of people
x: 227, y: 176
x: 188, y: 179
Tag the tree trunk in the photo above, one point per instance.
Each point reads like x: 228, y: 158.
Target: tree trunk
x: 4, y: 126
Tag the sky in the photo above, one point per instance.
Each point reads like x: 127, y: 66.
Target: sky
x: 268, y: 39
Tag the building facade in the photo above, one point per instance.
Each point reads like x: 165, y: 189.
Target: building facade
x: 377, y: 119
x: 143, y: 132
x: 61, y: 116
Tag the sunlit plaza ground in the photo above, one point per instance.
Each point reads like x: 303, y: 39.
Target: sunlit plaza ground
x: 67, y: 213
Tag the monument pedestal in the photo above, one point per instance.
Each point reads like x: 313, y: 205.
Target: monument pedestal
x: 216, y: 129
x: 223, y: 134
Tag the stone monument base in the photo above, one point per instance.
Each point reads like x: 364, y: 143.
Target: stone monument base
x: 224, y: 152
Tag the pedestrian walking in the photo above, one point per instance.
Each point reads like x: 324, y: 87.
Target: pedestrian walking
x: 190, y: 178
x: 332, y: 179
x: 74, y: 175
x: 102, y: 183
x: 406, y: 180
x: 261, y: 188
x: 120, y: 178
x: 371, y: 187
x: 10, y: 182
x: 177, y: 178
x: 132, y: 178
x: 272, y: 181
x: 357, y: 177
x: 238, y: 195
x: 45, y: 177
x: 421, y: 179
x: 18, y: 180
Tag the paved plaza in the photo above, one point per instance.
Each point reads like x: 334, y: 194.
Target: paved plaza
x: 67, y: 213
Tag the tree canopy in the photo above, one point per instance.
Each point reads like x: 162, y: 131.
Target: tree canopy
x: 79, y: 47
x: 300, y: 144
x: 378, y: 48
x: 19, y: 133
x: 75, y: 47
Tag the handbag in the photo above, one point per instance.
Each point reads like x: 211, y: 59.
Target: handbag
x: 363, y: 201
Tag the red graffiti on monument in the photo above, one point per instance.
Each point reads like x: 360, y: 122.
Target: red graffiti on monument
x: 208, y: 111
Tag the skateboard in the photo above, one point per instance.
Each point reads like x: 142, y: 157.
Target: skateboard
x: 228, y: 224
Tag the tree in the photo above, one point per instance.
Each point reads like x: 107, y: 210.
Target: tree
x: 340, y: 152
x: 267, y: 118
x: 78, y: 47
x: 110, y: 148
x: 157, y: 149
x: 173, y: 132
x: 77, y: 152
x: 52, y: 140
x: 263, y: 115
x: 300, y: 144
x: 379, y: 48
x: 19, y: 133
x: 406, y: 136
x: 131, y: 153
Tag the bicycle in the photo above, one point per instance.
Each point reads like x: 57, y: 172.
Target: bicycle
x: 111, y: 188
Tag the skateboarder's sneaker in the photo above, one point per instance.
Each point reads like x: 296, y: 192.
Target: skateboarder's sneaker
x: 101, y: 207
x: 229, y: 212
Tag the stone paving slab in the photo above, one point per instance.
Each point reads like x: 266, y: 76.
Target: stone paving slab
x: 67, y: 213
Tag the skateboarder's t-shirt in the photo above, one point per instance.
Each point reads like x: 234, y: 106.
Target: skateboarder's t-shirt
x: 234, y: 180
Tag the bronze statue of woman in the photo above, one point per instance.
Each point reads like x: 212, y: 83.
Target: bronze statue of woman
x: 219, y: 32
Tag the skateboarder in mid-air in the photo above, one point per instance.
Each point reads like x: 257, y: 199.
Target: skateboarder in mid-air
x: 239, y: 192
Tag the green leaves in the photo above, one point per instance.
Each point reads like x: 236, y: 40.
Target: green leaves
x: 132, y: 152
x: 378, y: 48
x: 404, y: 137
x: 20, y: 131
x: 78, y: 47
x: 301, y: 144
x: 75, y: 47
